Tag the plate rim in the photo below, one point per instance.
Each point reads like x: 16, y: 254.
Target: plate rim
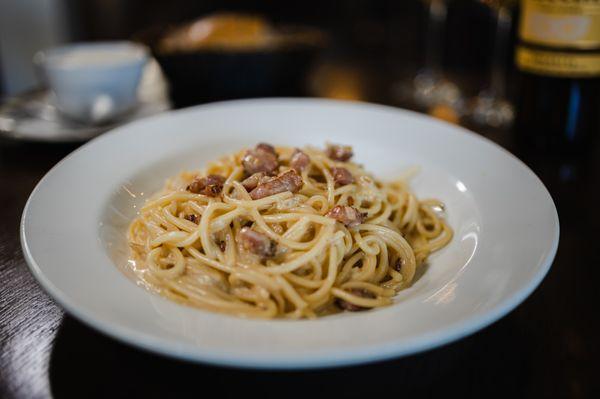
x: 368, y: 354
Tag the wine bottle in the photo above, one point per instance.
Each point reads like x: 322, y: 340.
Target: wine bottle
x: 558, y: 58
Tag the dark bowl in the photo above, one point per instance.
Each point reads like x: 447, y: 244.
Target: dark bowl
x: 210, y: 75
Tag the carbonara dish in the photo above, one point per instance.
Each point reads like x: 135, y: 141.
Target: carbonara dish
x: 284, y: 232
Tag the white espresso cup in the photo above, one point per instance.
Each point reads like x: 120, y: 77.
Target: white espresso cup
x: 93, y: 82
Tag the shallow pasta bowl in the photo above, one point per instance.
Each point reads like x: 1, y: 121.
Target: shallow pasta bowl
x: 505, y: 223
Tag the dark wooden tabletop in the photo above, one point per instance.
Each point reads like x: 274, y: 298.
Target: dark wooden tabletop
x: 547, y: 347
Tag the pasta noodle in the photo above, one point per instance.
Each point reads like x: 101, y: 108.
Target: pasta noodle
x: 282, y: 232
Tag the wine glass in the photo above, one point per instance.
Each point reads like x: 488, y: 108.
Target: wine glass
x: 490, y: 107
x: 430, y: 87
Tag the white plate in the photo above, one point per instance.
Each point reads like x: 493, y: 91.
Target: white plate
x: 506, y: 225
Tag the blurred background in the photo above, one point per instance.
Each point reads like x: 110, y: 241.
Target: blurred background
x: 454, y: 60
x: 370, y: 44
x: 384, y: 33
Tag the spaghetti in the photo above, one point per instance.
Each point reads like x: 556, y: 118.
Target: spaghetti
x: 282, y: 232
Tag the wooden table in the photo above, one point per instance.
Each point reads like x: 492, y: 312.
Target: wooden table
x: 547, y: 347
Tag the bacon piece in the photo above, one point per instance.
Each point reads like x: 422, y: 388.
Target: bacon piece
x: 192, y: 218
x: 251, y: 182
x: 342, y: 176
x: 347, y: 215
x: 263, y: 158
x: 211, y: 185
x: 352, y: 307
x: 398, y: 265
x: 287, y: 181
x: 266, y: 147
x: 299, y: 160
x: 340, y: 153
x: 256, y: 242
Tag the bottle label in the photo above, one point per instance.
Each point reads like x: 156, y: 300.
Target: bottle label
x: 559, y: 64
x: 561, y: 23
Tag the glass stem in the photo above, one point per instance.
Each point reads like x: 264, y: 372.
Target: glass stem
x: 500, y: 46
x: 436, y: 20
